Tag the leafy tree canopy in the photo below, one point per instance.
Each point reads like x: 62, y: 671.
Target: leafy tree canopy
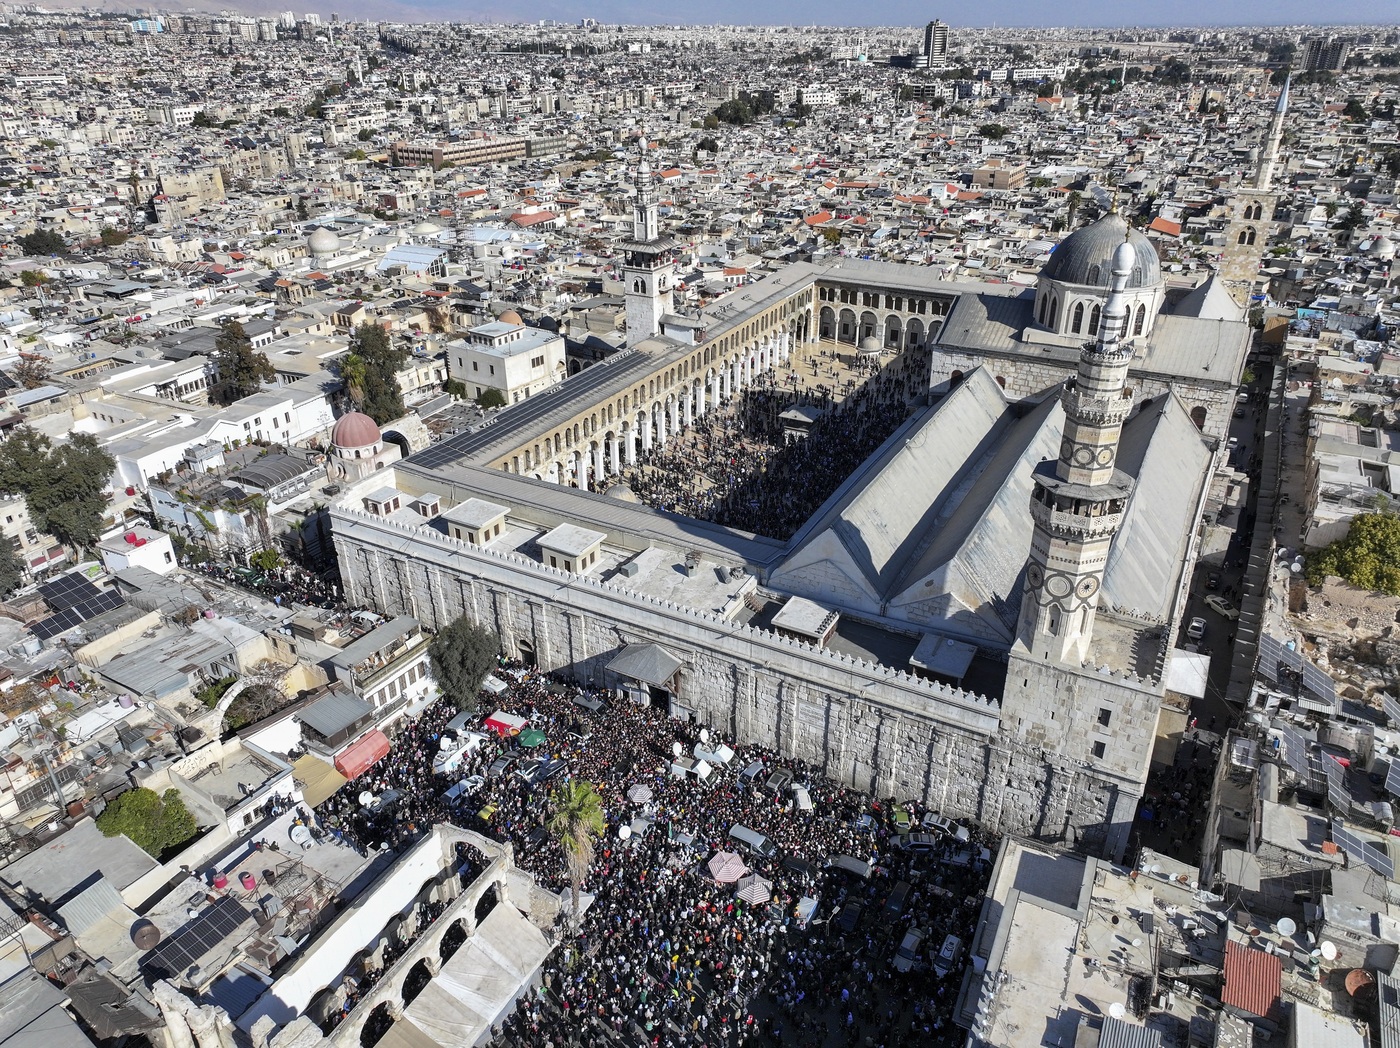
x: 462, y: 654
x: 491, y: 398
x: 240, y: 369
x: 1368, y: 557
x: 11, y: 571
x: 42, y: 242
x: 993, y: 132
x: 370, y: 374
x: 63, y: 487
x: 154, y: 823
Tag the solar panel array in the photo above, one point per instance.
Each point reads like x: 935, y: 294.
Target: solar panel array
x: 1295, y: 750
x: 67, y: 591
x: 1244, y: 753
x: 1337, y: 793
x: 1392, y: 777
x: 104, y: 600
x: 206, y: 933
x: 1319, y: 685
x: 1274, y: 656
x: 1391, y: 705
x: 1358, y: 850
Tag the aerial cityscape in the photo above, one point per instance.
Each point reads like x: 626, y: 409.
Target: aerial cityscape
x: 582, y: 532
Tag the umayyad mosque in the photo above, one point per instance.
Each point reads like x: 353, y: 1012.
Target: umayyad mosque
x: 981, y: 616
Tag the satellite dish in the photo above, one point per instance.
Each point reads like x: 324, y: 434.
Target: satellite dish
x: 704, y: 734
x: 1286, y: 926
x: 1154, y: 869
x: 1328, y: 950
x: 677, y: 749
x: 1116, y: 1010
x: 366, y: 799
x: 1137, y: 943
x: 623, y: 832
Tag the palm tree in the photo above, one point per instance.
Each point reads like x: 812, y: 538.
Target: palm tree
x: 577, y: 820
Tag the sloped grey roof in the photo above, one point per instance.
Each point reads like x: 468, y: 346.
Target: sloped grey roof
x: 648, y: 663
x: 1163, y: 449
x: 1210, y: 301
x: 90, y: 905
x: 334, y: 712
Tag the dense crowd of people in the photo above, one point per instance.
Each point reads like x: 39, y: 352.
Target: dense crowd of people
x: 286, y: 584
x: 665, y: 954
x: 744, y: 466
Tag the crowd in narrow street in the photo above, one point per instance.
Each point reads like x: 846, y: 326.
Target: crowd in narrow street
x: 666, y: 954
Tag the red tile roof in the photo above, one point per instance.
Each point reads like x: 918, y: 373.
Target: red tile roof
x: 818, y: 219
x: 1253, y: 980
x: 1163, y: 225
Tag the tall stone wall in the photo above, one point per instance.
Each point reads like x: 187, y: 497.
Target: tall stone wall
x: 879, y: 729
x: 1022, y: 378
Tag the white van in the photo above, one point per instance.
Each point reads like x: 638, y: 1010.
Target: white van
x: 683, y: 766
x: 714, y: 752
x: 801, y: 797
x: 752, y: 840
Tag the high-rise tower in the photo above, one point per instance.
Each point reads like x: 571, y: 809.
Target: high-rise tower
x: 935, y: 44
x: 1078, y: 501
x: 1252, y: 213
x: 647, y: 261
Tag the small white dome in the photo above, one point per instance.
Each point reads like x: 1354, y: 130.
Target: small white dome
x: 323, y: 242
x: 426, y: 229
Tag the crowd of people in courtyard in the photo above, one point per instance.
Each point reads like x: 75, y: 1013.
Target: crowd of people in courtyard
x: 666, y: 954
x: 744, y: 466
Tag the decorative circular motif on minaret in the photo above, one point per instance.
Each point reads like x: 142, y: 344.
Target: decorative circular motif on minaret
x: 1058, y: 585
x: 1066, y: 448
x: 1105, y: 456
x: 1083, y: 455
x: 1087, y: 587
x: 1034, y: 576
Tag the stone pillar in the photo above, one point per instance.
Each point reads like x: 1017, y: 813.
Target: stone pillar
x: 700, y: 399
x: 630, y: 435
x: 880, y: 333
x: 599, y: 469
x: 615, y: 452
x: 675, y: 415
x: 688, y: 408
x: 734, y: 378
x: 714, y: 389
x: 660, y: 418
x: 646, y: 432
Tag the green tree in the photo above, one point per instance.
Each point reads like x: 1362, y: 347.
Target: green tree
x: 11, y: 571
x: 63, y: 487
x: 1354, y: 217
x: 370, y: 374
x: 575, y: 821
x: 266, y: 560
x: 32, y: 278
x: 42, y: 242
x: 113, y: 237
x: 365, y: 134
x: 302, y: 213
x: 708, y: 144
x: 30, y: 372
x: 240, y: 370
x: 462, y: 654
x: 1354, y: 111
x: 491, y: 397
x: 156, y: 824
x: 992, y: 132
x: 1369, y: 556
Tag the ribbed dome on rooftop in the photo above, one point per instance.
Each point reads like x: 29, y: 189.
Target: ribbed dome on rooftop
x: 426, y: 229
x: 323, y: 241
x: 1086, y: 255
x: 355, y: 430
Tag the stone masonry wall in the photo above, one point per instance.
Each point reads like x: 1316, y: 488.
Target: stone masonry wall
x: 881, y: 730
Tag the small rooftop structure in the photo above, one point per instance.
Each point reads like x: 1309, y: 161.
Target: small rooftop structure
x: 475, y: 520
x: 943, y: 656
x: 571, y: 547
x: 807, y: 619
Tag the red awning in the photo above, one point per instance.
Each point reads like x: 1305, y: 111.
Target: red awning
x: 357, y: 759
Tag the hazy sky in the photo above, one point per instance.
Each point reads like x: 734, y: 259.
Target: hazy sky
x: 903, y: 12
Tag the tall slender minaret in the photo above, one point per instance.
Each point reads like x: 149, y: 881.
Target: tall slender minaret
x: 1264, y: 173
x: 1252, y: 213
x: 647, y: 261
x: 1078, y: 501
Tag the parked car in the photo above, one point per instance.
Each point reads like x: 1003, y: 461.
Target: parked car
x: 1197, y: 628
x: 752, y: 772
x: 1218, y: 604
x: 902, y: 821
x: 1213, y: 580
x: 918, y: 842
x: 907, y: 956
x: 778, y: 781
x: 501, y: 765
x: 849, y: 916
x: 940, y: 824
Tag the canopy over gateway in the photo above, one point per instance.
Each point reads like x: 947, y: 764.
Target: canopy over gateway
x: 649, y: 663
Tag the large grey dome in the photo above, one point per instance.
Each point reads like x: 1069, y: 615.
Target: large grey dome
x: 1086, y: 255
